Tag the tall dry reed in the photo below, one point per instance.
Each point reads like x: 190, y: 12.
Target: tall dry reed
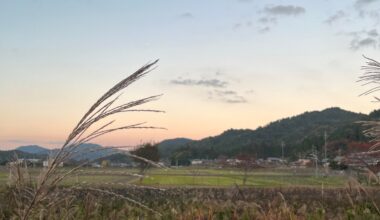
x: 31, y: 195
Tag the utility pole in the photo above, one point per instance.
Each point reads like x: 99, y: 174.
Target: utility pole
x: 325, y: 147
x: 282, y: 149
x: 315, y: 157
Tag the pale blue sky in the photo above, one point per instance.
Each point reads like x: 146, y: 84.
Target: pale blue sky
x: 223, y: 63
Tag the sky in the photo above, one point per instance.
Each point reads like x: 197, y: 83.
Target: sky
x: 223, y: 63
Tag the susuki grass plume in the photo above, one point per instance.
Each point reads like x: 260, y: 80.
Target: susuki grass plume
x: 371, y: 77
x: 30, y: 197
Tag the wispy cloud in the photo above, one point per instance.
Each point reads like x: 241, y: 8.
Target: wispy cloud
x: 368, y: 9
x: 363, y: 39
x: 203, y: 82
x: 236, y: 99
x: 273, y: 14
x: 267, y: 20
x: 225, y: 92
x: 227, y: 96
x: 237, y: 25
x: 270, y: 16
x: 358, y: 43
x: 287, y: 10
x: 242, y: 24
x: 336, y: 17
x: 264, y: 29
x: 362, y: 3
x: 373, y: 33
x: 218, y: 86
x: 186, y: 15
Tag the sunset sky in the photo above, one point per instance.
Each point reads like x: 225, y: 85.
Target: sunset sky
x: 223, y: 63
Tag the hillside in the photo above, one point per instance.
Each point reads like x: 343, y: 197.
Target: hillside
x: 92, y: 152
x: 33, y: 149
x: 85, y: 151
x: 299, y: 133
x: 166, y: 147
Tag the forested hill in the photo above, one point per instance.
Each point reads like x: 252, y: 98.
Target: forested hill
x: 299, y: 133
x: 167, y: 147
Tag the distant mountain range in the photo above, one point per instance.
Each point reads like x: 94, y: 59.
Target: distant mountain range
x: 33, y: 149
x: 298, y: 133
x: 93, y: 152
x: 83, y: 152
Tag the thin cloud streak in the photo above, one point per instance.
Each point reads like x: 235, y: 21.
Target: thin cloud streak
x: 366, y: 42
x: 361, y: 3
x: 203, y: 82
x: 217, y: 88
x: 339, y: 15
x: 287, y: 10
x: 227, y: 96
x: 186, y: 15
x: 267, y: 20
x: 272, y: 15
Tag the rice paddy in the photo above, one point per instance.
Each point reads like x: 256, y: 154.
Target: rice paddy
x: 199, y: 177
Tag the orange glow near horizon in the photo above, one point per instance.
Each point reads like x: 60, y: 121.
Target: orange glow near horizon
x: 195, y: 127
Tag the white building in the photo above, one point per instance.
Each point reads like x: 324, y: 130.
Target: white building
x: 196, y: 162
x: 46, y: 163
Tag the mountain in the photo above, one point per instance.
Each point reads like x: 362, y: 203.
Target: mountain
x: 298, y: 133
x: 85, y: 151
x: 11, y: 155
x: 166, y: 147
x: 89, y: 151
x: 33, y: 149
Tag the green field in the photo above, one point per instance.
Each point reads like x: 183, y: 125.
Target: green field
x: 254, y: 180
x: 259, y: 178
x: 196, y: 177
x: 3, y: 177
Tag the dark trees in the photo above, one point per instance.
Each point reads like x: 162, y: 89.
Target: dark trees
x: 148, y: 152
